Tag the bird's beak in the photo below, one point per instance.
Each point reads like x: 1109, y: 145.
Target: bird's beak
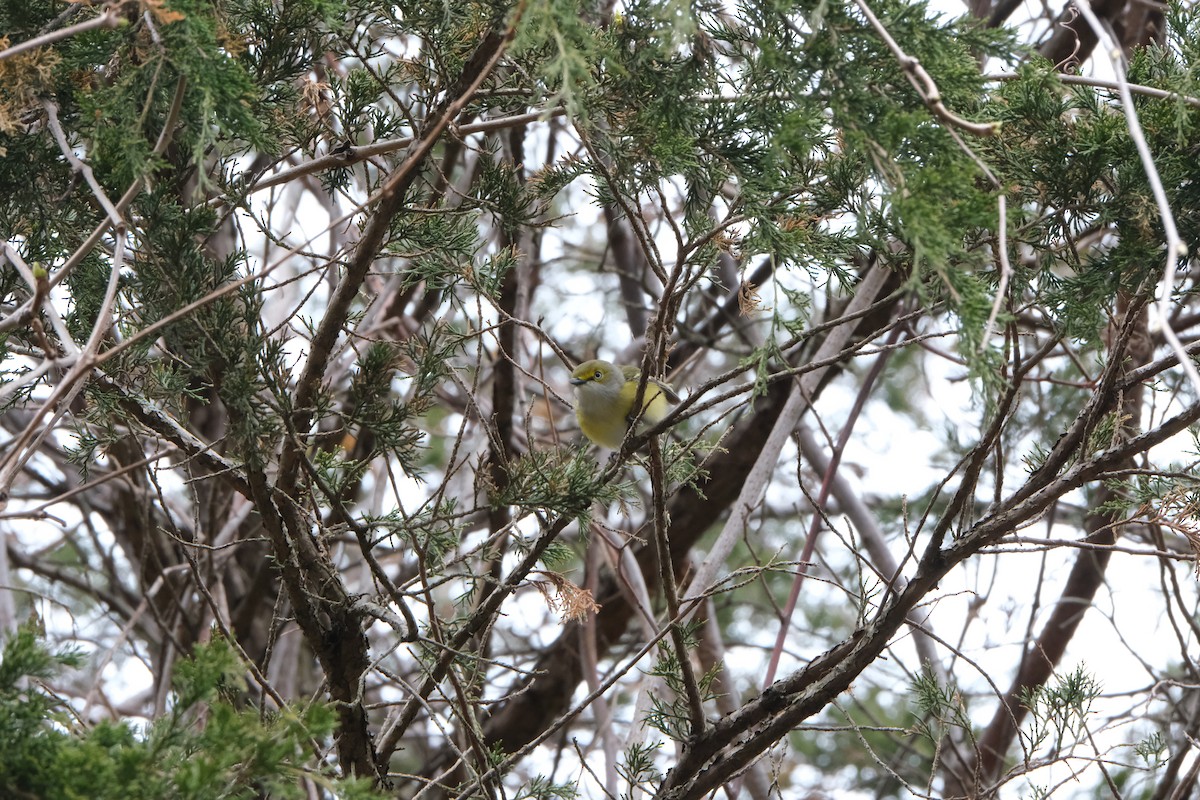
x: 578, y: 381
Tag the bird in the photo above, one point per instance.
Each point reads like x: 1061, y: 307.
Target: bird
x: 604, y: 397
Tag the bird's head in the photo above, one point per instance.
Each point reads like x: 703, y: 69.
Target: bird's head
x: 597, y: 373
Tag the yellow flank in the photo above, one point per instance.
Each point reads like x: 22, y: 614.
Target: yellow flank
x: 604, y: 395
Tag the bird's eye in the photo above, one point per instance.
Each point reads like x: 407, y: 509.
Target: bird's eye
x: 598, y: 375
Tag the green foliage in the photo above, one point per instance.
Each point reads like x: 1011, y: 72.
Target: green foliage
x: 433, y: 531
x: 683, y: 466
x: 669, y: 711
x: 207, y: 746
x: 558, y: 482
x: 1068, y: 156
x: 391, y: 422
x: 439, y: 247
x: 1059, y: 710
x: 941, y: 707
x: 502, y: 191
x: 1152, y: 750
x: 541, y: 788
x: 638, y: 769
x: 560, y: 45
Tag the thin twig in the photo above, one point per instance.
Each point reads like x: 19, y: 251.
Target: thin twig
x: 22, y: 315
x: 666, y: 576
x: 26, y: 443
x: 1086, y: 80
x: 1005, y: 268
x: 114, y: 216
x: 923, y: 82
x: 108, y: 18
x: 354, y: 155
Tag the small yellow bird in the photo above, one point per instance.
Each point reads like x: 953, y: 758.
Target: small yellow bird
x: 604, y: 395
